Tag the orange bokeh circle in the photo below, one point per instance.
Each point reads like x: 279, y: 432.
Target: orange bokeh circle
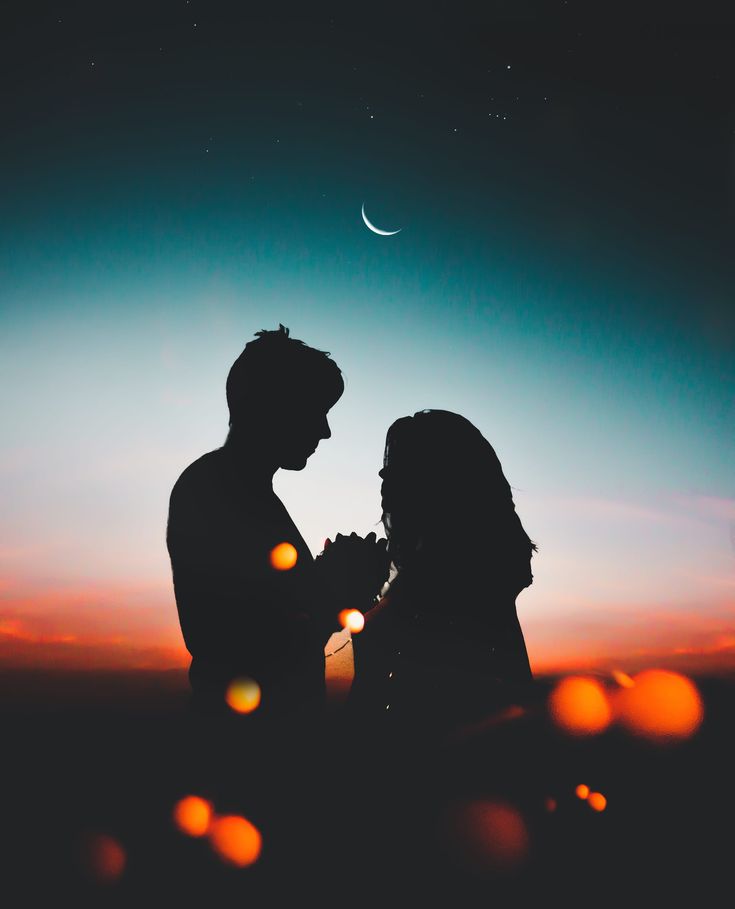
x: 579, y: 705
x: 352, y: 619
x: 660, y: 706
x: 243, y: 695
x: 235, y: 840
x: 284, y: 556
x: 104, y: 857
x: 193, y: 815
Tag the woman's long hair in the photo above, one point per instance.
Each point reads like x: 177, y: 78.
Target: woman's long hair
x: 448, y: 509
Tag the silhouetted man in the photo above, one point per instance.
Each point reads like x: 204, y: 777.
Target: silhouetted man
x: 244, y: 612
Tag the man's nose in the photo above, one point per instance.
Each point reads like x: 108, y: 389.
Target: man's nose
x: 326, y: 432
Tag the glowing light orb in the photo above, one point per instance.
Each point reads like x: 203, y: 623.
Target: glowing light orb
x: 661, y: 706
x: 597, y: 801
x: 550, y: 804
x: 243, y: 695
x: 489, y: 835
x: 579, y: 706
x: 235, y: 840
x: 193, y: 815
x: 352, y: 619
x: 582, y: 791
x: 104, y: 858
x: 283, y: 557
x: 622, y: 678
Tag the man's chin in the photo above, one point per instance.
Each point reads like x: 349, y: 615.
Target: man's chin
x: 295, y: 464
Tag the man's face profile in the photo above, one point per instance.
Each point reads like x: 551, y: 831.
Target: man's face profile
x: 302, y: 425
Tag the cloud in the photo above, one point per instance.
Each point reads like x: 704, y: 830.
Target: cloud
x: 696, y: 636
x: 710, y: 508
x: 89, y: 627
x: 670, y: 509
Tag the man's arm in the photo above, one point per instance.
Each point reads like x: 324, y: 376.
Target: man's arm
x: 235, y: 609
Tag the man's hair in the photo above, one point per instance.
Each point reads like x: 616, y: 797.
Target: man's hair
x: 275, y: 368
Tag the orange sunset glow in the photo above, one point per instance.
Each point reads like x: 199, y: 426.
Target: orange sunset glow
x: 129, y: 627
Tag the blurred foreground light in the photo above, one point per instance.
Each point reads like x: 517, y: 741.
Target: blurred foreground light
x: 235, y: 840
x: 352, y: 619
x: 622, y: 678
x: 243, y: 695
x: 597, y: 801
x: 550, y: 804
x: 488, y: 835
x: 283, y: 557
x: 660, y: 706
x: 579, y: 706
x: 193, y: 815
x: 104, y: 858
x: 582, y: 791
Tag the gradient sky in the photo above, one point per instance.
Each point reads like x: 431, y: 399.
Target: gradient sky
x: 176, y: 176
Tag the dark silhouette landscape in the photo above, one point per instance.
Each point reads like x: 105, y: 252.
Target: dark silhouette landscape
x: 382, y: 818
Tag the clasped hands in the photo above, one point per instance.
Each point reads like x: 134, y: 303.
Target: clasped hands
x: 355, y: 568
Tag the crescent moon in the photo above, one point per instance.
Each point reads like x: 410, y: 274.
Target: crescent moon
x: 377, y: 230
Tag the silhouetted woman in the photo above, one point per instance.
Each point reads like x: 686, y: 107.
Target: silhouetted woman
x: 444, y: 645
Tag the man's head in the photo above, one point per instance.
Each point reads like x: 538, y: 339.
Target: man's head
x: 279, y: 391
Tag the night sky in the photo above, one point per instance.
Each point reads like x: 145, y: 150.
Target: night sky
x: 178, y: 175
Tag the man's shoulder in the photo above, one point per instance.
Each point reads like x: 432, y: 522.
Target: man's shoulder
x: 203, y: 470
x: 200, y: 480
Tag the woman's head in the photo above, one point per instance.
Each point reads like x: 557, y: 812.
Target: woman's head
x: 444, y: 495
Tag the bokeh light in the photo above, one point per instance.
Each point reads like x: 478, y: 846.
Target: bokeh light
x: 352, y: 619
x: 579, y: 705
x: 243, y: 695
x: 283, y: 557
x: 489, y: 835
x: 622, y: 678
x: 597, y: 801
x: 104, y: 858
x: 550, y: 804
x: 193, y: 815
x: 235, y: 840
x: 582, y: 791
x: 660, y: 706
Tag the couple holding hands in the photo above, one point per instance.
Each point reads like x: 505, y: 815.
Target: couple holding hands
x: 441, y: 642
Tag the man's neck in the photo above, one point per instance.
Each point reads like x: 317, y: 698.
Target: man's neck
x: 250, y: 461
